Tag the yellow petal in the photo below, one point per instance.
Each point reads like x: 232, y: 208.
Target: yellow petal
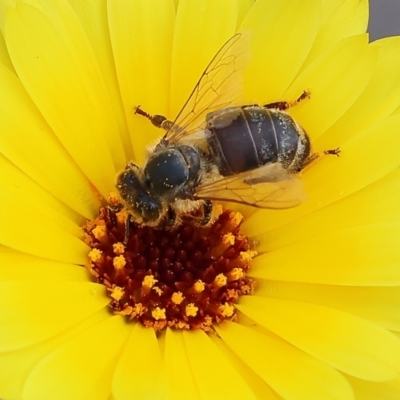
x: 365, y: 390
x: 365, y: 255
x: 57, y: 68
x: 258, y: 386
x: 379, y: 99
x: 377, y: 304
x: 141, y: 38
x: 4, y: 57
x: 201, y: 28
x: 372, y: 207
x: 215, y: 376
x: 19, y: 186
x: 4, y: 4
x: 16, y: 365
x: 276, y: 55
x: 139, y: 372
x: 346, y: 342
x: 19, y: 266
x: 339, y: 19
x: 180, y: 380
x: 244, y: 6
x: 33, y: 311
x: 39, y: 154
x: 89, y: 374
x: 293, y: 374
x: 335, y: 79
x: 74, y: 34
x: 93, y: 15
x: 33, y: 232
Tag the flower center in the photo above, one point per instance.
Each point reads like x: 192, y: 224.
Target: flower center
x: 186, y: 278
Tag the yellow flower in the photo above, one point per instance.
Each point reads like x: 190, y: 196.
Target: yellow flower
x: 323, y: 322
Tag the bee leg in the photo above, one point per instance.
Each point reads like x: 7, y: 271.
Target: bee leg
x: 284, y: 105
x: 312, y: 157
x: 207, y: 213
x: 111, y: 217
x: 333, y: 152
x: 112, y: 210
x: 157, y: 120
x: 128, y: 222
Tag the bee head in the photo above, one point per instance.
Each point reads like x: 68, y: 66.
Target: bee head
x: 135, y: 196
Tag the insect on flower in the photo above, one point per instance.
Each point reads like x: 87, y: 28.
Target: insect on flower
x: 216, y: 150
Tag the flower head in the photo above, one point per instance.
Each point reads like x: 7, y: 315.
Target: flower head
x: 307, y: 297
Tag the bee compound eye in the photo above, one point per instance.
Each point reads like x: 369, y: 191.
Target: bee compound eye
x: 166, y: 172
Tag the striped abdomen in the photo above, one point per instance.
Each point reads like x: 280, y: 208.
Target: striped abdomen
x: 245, y: 138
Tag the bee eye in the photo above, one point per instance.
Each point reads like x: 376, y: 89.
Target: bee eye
x: 166, y: 171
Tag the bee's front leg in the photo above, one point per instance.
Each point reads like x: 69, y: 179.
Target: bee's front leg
x: 207, y: 213
x: 128, y: 222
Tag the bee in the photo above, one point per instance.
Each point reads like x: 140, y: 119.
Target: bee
x: 215, y: 150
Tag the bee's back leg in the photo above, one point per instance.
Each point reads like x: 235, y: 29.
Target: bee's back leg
x: 284, y: 105
x: 157, y: 120
x: 312, y: 157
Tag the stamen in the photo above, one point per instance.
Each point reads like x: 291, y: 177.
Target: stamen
x: 119, y: 262
x: 191, y: 310
x: 118, y: 248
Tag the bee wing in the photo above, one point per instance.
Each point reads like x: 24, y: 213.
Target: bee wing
x: 218, y: 87
x: 269, y: 186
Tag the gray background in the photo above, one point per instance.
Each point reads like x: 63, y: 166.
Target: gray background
x: 384, y: 18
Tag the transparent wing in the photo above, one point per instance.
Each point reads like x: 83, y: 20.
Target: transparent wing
x: 269, y: 186
x: 218, y: 87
